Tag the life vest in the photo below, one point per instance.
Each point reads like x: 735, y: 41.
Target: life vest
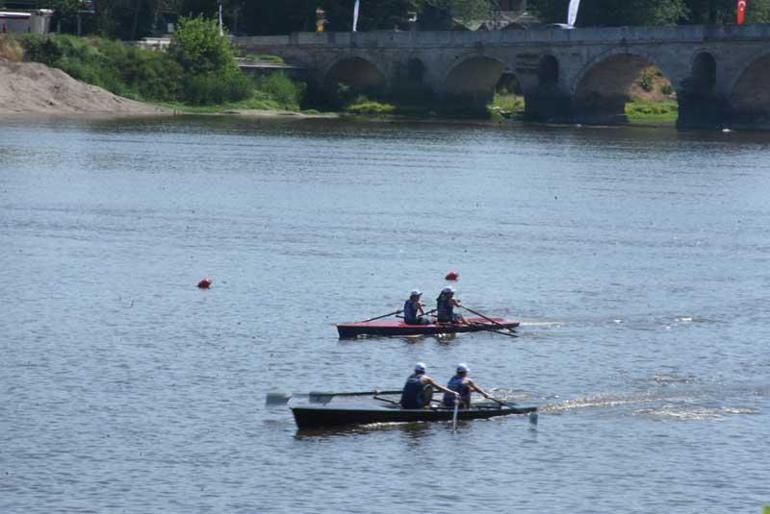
x: 458, y: 385
x: 444, y: 308
x: 413, y: 394
x: 410, y: 313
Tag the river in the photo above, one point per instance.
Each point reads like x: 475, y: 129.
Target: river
x: 637, y: 260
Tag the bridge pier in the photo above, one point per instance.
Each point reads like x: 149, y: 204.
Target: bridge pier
x: 548, y: 107
x: 698, y: 111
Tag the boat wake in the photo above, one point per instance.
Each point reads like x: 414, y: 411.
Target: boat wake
x: 670, y: 396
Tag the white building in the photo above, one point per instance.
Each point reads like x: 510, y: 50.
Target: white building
x: 34, y: 22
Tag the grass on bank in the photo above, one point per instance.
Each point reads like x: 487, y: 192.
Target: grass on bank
x: 647, y: 111
x: 506, y: 105
x: 367, y: 107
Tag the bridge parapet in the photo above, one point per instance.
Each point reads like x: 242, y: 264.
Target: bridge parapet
x: 588, y: 71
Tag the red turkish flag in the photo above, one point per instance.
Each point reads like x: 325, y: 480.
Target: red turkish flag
x: 741, y: 12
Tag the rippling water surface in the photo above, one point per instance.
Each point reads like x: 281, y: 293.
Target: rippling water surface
x: 637, y: 260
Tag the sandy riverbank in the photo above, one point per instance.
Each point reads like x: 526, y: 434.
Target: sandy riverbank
x: 28, y: 88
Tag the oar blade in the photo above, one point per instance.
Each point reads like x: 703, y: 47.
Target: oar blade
x: 277, y: 398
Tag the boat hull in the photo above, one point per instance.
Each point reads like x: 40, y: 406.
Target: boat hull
x: 324, y: 416
x: 399, y: 328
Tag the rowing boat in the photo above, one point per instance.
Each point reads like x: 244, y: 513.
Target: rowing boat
x: 399, y: 328
x: 318, y: 416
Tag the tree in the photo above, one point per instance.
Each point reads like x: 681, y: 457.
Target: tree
x: 723, y: 12
x: 279, y: 16
x: 613, y: 13
x: 200, y: 49
x: 65, y: 11
x: 465, y: 10
x: 374, y: 14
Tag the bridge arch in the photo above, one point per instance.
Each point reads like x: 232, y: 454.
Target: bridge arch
x: 355, y: 72
x: 602, y: 88
x: 474, y: 79
x: 749, y: 96
x: 703, y: 73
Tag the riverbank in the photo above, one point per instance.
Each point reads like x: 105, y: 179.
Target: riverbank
x: 35, y: 89
x: 147, y: 82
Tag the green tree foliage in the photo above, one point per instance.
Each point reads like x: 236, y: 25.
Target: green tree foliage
x: 374, y: 14
x: 199, y: 48
x: 211, y: 75
x: 122, y: 69
x: 465, y: 10
x: 723, y: 12
x: 611, y: 13
x: 651, y: 12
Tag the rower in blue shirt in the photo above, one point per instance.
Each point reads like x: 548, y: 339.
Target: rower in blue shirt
x: 462, y: 386
x: 413, y: 310
x: 418, y: 390
x: 445, y: 304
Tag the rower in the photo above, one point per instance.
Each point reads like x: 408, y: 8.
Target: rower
x: 413, y: 310
x: 418, y: 389
x: 462, y: 386
x: 445, y: 304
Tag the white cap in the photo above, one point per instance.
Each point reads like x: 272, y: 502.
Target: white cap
x: 448, y: 289
x: 420, y: 366
x: 415, y: 292
x: 463, y: 368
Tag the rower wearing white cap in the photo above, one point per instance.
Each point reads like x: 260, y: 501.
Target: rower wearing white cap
x: 418, y: 389
x: 445, y: 304
x: 413, y: 309
x: 462, y: 385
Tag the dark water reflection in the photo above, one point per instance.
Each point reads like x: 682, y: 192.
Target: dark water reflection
x: 637, y: 260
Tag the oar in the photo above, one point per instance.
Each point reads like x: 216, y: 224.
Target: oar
x: 502, y: 403
x: 487, y: 328
x: 429, y: 313
x: 399, y: 311
x: 315, y: 396
x: 486, y: 318
x: 454, y: 415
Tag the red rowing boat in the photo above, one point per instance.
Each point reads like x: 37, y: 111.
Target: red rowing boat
x: 397, y: 327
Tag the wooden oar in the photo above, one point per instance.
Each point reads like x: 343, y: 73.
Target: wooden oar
x: 399, y: 311
x: 454, y: 415
x: 502, y: 403
x: 486, y: 318
x: 316, y: 396
x: 487, y: 328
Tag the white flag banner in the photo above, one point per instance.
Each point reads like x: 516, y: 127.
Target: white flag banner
x: 572, y: 13
x: 355, y: 14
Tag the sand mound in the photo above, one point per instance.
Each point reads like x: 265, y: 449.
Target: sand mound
x: 35, y: 88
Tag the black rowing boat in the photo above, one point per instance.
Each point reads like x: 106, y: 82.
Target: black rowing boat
x: 317, y: 416
x: 399, y: 328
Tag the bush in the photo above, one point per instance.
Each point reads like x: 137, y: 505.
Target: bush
x: 647, y: 80
x: 211, y: 89
x: 10, y: 49
x: 42, y: 49
x: 121, y: 69
x: 287, y: 93
x: 667, y: 89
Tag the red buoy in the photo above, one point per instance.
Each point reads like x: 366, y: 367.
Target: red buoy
x: 205, y: 283
x: 452, y: 275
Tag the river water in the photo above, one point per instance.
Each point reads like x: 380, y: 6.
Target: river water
x: 636, y: 258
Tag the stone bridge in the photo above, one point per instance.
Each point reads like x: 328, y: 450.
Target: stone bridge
x: 721, y: 74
